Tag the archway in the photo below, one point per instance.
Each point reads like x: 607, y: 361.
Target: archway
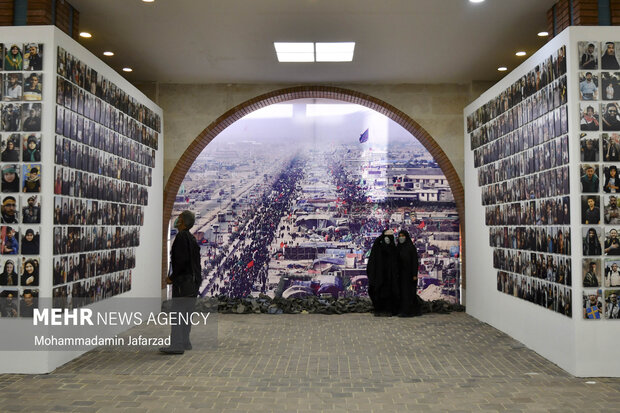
x: 307, y: 92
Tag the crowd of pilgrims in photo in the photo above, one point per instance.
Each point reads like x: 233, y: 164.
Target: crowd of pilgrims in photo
x: 248, y: 267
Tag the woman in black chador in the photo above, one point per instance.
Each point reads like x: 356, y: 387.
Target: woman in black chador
x: 408, y: 276
x: 382, y: 271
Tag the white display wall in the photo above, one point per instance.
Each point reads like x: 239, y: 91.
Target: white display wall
x: 527, y: 207
x: 131, y: 192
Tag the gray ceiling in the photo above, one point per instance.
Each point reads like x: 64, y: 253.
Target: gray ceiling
x: 231, y: 41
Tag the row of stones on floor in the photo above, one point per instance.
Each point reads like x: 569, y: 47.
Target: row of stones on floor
x: 264, y: 304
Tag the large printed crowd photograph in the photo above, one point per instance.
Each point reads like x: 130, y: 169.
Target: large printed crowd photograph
x: 289, y: 199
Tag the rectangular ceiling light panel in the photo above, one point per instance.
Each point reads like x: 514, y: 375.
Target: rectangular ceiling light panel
x: 335, y: 52
x: 294, y: 52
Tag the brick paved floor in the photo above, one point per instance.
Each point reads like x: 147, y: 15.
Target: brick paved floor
x: 315, y: 363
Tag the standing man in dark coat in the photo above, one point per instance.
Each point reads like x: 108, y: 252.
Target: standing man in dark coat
x: 185, y: 278
x: 382, y: 271
x: 408, y: 276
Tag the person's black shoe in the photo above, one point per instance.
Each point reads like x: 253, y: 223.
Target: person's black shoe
x: 406, y: 315
x: 170, y: 350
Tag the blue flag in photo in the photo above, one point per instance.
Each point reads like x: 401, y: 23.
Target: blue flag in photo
x: 364, y: 136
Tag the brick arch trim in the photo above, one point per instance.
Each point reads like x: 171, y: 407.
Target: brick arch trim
x: 304, y: 92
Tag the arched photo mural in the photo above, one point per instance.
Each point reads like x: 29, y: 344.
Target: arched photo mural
x: 289, y: 199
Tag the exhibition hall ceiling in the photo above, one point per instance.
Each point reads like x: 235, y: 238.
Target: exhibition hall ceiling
x: 231, y: 41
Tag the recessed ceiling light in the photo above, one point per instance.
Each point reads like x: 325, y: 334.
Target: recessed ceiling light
x: 543, y: 34
x: 502, y: 68
x: 294, y: 52
x: 335, y: 52
x: 108, y: 53
x: 127, y: 69
x: 148, y: 1
x: 86, y: 35
x: 476, y: 1
x: 520, y: 53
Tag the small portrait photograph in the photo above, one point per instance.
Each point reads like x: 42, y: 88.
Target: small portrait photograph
x: 9, y: 147
x: 58, y: 148
x: 612, y: 274
x: 9, y: 274
x: 10, y: 178
x: 67, y: 126
x: 8, y: 303
x: 31, y: 147
x: 592, y: 304
x: 68, y: 93
x: 588, y: 55
x: 588, y: 86
x: 32, y: 117
x: 74, y: 98
x: 589, y: 116
x: 61, y: 63
x: 589, y: 178
x: 590, y: 147
x: 58, y: 202
x: 590, y: 210
x: 60, y: 91
x: 610, y: 118
x: 13, y: 58
x: 611, y: 182
x: 28, y: 302
x: 591, y: 270
x: 12, y: 87
x: 80, y: 107
x: 9, y: 240
x: 609, y: 60
x: 612, y: 243
x: 60, y: 120
x: 30, y: 241
x: 11, y: 117
x: 612, y: 307
x: 610, y: 84
x: 9, y: 210
x: 31, y: 209
x: 32, y: 178
x: 611, y: 211
x: 61, y: 298
x: 60, y: 270
x: 30, y: 272
x: 33, y: 86
x: 591, y: 241
x: 611, y: 147
x: 33, y: 56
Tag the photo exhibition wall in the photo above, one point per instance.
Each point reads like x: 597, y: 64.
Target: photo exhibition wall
x: 542, y: 156
x: 81, y: 189
x: 290, y: 199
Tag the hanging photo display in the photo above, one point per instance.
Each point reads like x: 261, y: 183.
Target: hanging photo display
x: 21, y: 90
x: 105, y: 148
x: 520, y: 146
x: 599, y: 119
